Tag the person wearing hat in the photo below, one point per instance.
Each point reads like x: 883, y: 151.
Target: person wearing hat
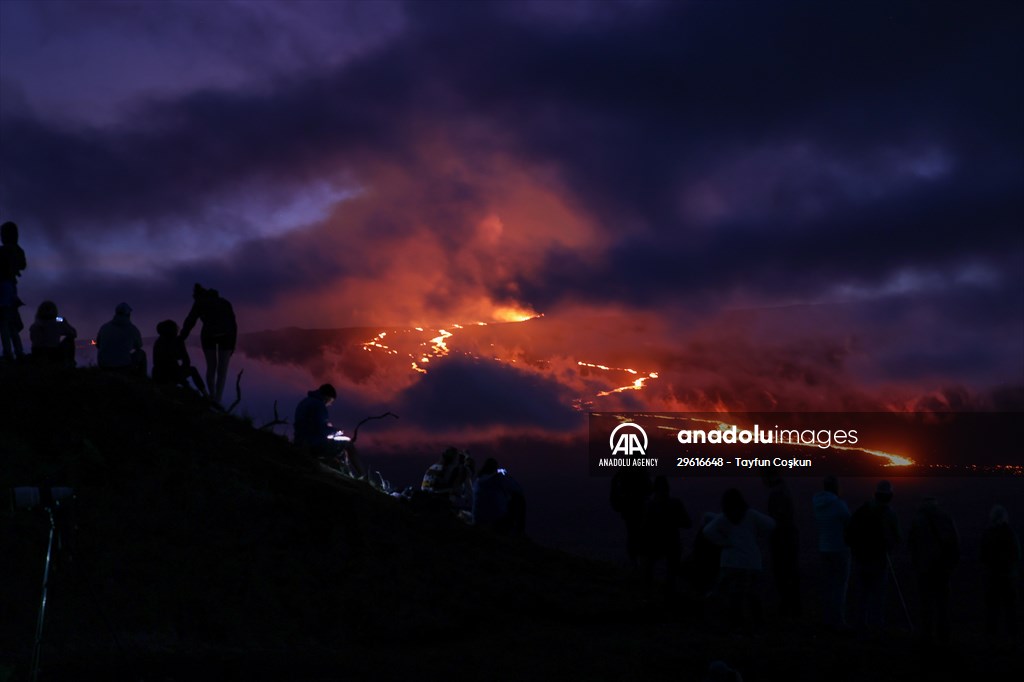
x: 872, y: 534
x: 119, y: 344
x: 313, y: 430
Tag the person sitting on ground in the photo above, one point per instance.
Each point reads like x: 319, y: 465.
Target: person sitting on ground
x: 53, y: 339
x: 498, y: 500
x: 171, y: 364
x: 313, y: 429
x: 119, y: 344
x: 442, y: 476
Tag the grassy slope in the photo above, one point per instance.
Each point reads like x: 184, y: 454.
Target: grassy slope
x: 206, y: 547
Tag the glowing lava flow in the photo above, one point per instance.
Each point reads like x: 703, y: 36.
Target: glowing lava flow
x: 637, y: 384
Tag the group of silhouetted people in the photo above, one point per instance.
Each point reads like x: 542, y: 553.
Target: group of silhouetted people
x: 489, y: 498
x: 855, y: 551
x: 119, y: 342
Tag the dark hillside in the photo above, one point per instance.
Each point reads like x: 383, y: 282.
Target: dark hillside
x: 206, y: 549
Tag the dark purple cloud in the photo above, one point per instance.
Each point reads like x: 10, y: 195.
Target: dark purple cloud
x: 717, y: 154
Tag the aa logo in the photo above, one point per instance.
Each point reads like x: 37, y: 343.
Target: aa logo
x: 628, y: 439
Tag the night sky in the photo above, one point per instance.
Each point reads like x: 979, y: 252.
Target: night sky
x: 771, y: 205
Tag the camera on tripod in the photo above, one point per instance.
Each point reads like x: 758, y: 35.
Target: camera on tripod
x: 56, y: 503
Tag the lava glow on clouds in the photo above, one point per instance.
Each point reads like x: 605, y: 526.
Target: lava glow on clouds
x: 780, y: 206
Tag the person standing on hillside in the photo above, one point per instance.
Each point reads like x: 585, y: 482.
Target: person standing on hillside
x: 218, y: 337
x: 628, y: 496
x: 1001, y: 559
x: 736, y: 530
x: 785, y: 545
x: 831, y: 516
x: 872, y: 534
x: 12, y: 262
x: 935, y: 552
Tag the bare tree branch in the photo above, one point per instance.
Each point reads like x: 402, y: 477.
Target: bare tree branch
x: 276, y: 422
x: 355, y: 434
x: 238, y: 392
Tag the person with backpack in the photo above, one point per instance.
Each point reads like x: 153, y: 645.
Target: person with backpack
x: 935, y: 551
x: 218, y: 337
x: 872, y: 535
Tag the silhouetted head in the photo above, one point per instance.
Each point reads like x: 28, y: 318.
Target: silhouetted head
x: 661, y: 486
x: 47, y: 311
x: 449, y: 456
x: 733, y: 505
x: 883, y: 492
x: 197, y: 290
x: 490, y: 467
x: 123, y: 309
x: 9, y: 233
x: 831, y: 484
x: 167, y: 328
x: 327, y: 392
x: 998, y: 515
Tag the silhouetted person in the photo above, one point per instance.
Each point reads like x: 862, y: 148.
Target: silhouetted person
x: 706, y: 559
x: 313, y: 429
x: 1001, y: 561
x: 736, y: 530
x: 119, y: 344
x: 664, y: 516
x: 218, y: 337
x: 12, y: 262
x: 53, y: 338
x: 442, y: 476
x: 872, y: 534
x: 784, y: 544
x: 462, y: 491
x: 831, y: 516
x: 629, y: 493
x: 498, y: 500
x: 171, y: 364
x: 935, y: 551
